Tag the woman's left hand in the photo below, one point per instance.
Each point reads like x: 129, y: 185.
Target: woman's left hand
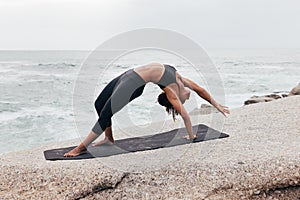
x: 188, y: 137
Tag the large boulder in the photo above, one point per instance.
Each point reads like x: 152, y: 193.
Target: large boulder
x: 295, y: 90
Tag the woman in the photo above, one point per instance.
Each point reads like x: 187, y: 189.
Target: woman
x: 130, y: 85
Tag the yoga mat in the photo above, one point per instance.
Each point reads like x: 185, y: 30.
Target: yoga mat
x: 160, y: 140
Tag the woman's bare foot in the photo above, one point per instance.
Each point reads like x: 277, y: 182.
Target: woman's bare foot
x: 75, y: 152
x: 106, y: 140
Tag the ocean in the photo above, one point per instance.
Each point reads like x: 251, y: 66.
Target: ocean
x: 36, y: 87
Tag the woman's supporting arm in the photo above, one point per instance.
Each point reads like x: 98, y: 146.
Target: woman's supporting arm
x: 174, y: 100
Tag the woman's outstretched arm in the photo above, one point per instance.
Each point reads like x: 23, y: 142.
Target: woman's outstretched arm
x: 205, y: 95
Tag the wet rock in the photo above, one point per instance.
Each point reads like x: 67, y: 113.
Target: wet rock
x: 258, y: 99
x: 295, y: 90
x: 273, y: 96
x: 265, y: 98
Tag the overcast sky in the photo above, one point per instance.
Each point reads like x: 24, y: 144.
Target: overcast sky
x: 85, y: 24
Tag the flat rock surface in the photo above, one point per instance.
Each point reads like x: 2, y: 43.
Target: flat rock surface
x: 260, y: 160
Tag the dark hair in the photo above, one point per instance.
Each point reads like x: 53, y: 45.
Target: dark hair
x: 163, y: 100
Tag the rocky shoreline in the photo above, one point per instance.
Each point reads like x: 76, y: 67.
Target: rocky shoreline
x: 260, y: 160
x: 273, y: 96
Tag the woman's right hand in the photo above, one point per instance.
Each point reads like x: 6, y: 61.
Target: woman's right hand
x: 223, y: 109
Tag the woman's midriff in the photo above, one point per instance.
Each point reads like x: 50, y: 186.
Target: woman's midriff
x: 150, y: 73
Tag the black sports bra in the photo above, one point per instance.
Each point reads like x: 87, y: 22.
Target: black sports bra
x: 168, y: 77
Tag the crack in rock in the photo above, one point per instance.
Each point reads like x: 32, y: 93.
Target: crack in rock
x: 256, y: 193
x: 101, y: 187
x: 271, y: 191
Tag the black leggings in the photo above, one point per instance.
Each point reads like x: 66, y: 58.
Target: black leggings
x: 118, y: 93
